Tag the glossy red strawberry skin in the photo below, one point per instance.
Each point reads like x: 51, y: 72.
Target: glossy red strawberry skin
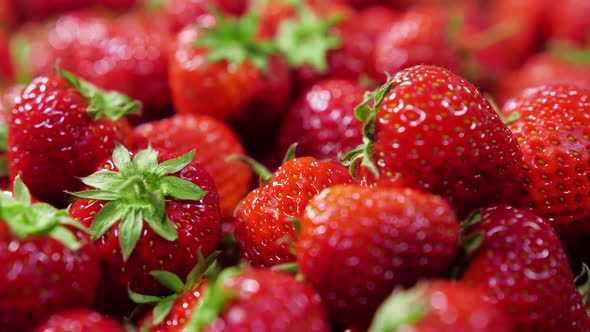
x: 553, y: 135
x: 419, y: 36
x: 377, y: 239
x: 80, y: 321
x: 521, y: 261
x: 197, y: 223
x: 214, y: 142
x: 455, y: 307
x: 53, y: 139
x: 541, y: 69
x: 39, y: 276
x: 436, y: 132
x: 263, y: 225
x: 179, y: 315
x: 322, y: 121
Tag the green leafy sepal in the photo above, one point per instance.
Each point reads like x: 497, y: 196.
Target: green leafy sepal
x: 403, y: 307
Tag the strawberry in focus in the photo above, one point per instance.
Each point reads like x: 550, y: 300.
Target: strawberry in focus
x: 147, y: 213
x: 62, y: 128
x: 377, y: 239
x: 47, y: 262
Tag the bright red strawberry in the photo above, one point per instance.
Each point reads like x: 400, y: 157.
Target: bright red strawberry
x: 521, y: 264
x: 567, y: 21
x: 420, y: 36
x: 8, y: 17
x: 264, y: 225
x: 553, y: 133
x: 440, y: 306
x: 46, y: 263
x: 214, y: 142
x: 321, y: 121
x: 377, y: 239
x: 62, y: 128
x: 41, y: 9
x: 182, y: 13
x: 229, y: 75
x: 80, y: 321
x: 250, y: 301
x: 147, y: 213
x: 565, y: 66
x: 434, y: 131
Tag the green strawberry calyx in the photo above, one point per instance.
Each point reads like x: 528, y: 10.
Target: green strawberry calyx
x: 20, y: 53
x: 306, y: 39
x: 137, y: 192
x: 367, y: 113
x: 25, y: 218
x: 215, y: 298
x: 163, y: 305
x: 236, y: 42
x: 470, y: 243
x: 575, y: 55
x: 402, y: 308
x: 112, y: 104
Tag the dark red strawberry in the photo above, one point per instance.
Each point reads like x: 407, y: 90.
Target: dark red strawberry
x: 321, y: 121
x: 521, y: 265
x: 431, y: 130
x: 420, y: 36
x: 225, y: 72
x: 377, y: 239
x: 567, y: 21
x: 255, y: 300
x: 62, y: 128
x: 440, y: 306
x: 564, y: 66
x: 40, y: 9
x: 553, y: 133
x: 264, y: 225
x: 8, y: 16
x: 80, y: 321
x: 147, y: 213
x: 6, y: 67
x: 46, y: 262
x: 214, y: 141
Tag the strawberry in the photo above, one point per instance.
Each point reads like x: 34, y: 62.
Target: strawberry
x: 172, y: 312
x: 213, y: 140
x: 562, y: 66
x: 420, y: 36
x: 147, y: 216
x: 430, y: 129
x: 322, y: 121
x: 6, y: 68
x: 264, y: 219
x: 62, y: 128
x: 256, y: 300
x: 377, y: 239
x: 223, y: 71
x: 519, y: 261
x: 46, y: 262
x: 80, y: 321
x: 552, y: 132
x: 40, y: 9
x: 440, y: 306
x: 8, y: 17
x: 567, y: 21
x: 181, y: 13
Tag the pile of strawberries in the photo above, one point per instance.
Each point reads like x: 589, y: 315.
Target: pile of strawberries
x: 294, y: 165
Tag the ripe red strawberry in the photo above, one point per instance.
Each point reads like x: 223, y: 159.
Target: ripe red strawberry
x: 264, y: 219
x: 213, y: 140
x: 552, y: 132
x: 80, y: 321
x: 322, y: 120
x: 420, y: 36
x: 62, y: 128
x: 567, y: 21
x: 229, y: 75
x: 6, y: 68
x: 181, y: 13
x: 566, y: 66
x: 147, y: 216
x: 46, y: 262
x: 40, y: 9
x: 253, y: 300
x: 440, y: 306
x: 521, y: 264
x: 8, y: 17
x: 377, y: 239
x: 432, y: 130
